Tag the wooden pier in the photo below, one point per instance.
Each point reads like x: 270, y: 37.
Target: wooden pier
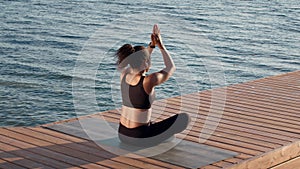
x: 259, y: 120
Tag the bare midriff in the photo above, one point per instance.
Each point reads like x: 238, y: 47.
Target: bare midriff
x: 133, y: 117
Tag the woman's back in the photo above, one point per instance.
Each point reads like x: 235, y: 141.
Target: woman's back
x: 134, y: 95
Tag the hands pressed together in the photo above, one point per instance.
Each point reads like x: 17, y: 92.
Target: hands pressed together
x: 156, y: 39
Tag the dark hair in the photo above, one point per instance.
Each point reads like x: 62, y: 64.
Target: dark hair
x: 126, y: 50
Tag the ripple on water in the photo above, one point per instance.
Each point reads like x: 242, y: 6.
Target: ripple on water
x: 41, y: 42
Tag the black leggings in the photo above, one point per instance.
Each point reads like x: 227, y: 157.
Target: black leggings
x: 154, y: 133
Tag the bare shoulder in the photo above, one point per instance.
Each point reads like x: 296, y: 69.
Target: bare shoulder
x: 157, y: 78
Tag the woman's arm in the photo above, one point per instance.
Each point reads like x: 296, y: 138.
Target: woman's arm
x: 163, y: 75
x: 168, y: 61
x: 152, y: 44
x: 160, y: 77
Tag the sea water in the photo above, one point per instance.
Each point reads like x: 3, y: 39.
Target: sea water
x: 56, y: 57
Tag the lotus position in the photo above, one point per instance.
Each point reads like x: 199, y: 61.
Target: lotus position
x: 138, y: 94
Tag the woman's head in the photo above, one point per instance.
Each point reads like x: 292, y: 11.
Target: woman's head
x: 137, y: 57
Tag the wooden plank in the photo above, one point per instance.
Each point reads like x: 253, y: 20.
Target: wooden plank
x: 229, y: 139
x: 241, y: 112
x: 243, y: 142
x: 243, y: 103
x: 271, y: 84
x: 136, y: 162
x: 286, y: 77
x: 261, y: 88
x: 61, y: 159
x: 236, y: 121
x: 237, y: 143
x: 281, y: 127
x: 286, y: 83
x: 98, y: 153
x: 245, y: 109
x: 261, y: 93
x: 156, y: 162
x: 8, y: 160
x: 280, y: 102
x: 293, y: 163
x: 173, y: 158
x: 232, y: 116
x: 92, y: 166
x: 139, y: 161
x: 53, y: 146
x: 254, y: 97
x: 234, y: 160
x: 223, y: 164
x: 266, y: 141
x: 269, y: 89
x: 244, y: 136
x: 290, y: 82
x: 277, y: 127
x: 92, y: 145
x: 195, y: 133
x: 211, y: 167
x: 59, y: 135
x: 265, y: 103
x: 29, y: 160
x: 272, y: 158
x: 113, y: 164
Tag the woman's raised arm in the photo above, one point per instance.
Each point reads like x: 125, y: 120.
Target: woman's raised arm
x: 163, y: 75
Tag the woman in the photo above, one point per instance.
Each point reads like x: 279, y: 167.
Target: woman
x: 138, y: 94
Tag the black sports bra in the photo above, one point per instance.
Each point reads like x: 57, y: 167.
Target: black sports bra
x: 135, y: 95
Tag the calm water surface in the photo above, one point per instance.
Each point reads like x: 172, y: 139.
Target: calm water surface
x: 46, y: 46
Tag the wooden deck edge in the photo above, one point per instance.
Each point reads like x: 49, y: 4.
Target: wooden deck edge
x: 293, y: 163
x: 272, y: 158
x: 60, y: 122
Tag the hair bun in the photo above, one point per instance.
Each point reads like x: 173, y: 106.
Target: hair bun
x: 127, y: 49
x: 124, y: 52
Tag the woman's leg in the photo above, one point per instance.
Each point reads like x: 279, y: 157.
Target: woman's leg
x: 170, y: 126
x: 154, y: 133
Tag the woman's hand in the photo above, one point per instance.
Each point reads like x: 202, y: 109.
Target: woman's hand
x: 159, y: 42
x: 153, y: 40
x: 156, y: 29
x: 157, y: 36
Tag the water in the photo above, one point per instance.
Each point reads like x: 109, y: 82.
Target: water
x: 56, y: 56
